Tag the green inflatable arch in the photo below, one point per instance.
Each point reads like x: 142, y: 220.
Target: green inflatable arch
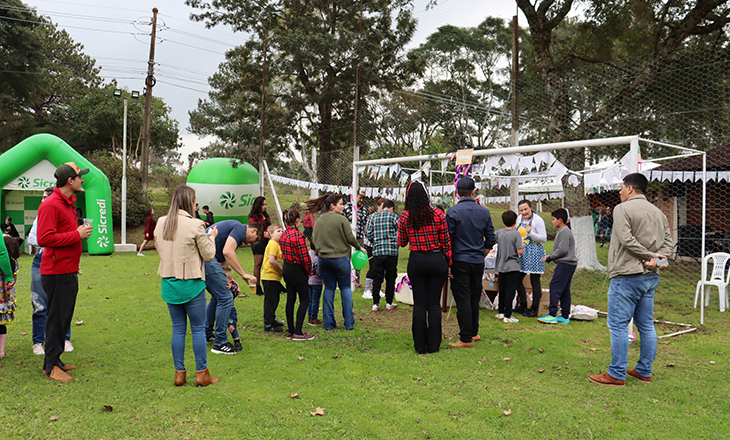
x: 97, y: 194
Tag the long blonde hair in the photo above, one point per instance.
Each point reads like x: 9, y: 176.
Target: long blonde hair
x: 183, y: 198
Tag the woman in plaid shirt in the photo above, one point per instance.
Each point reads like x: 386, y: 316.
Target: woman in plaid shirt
x: 424, y: 229
x: 296, y: 269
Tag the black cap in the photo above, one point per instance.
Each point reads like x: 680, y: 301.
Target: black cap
x: 466, y: 183
x: 69, y: 169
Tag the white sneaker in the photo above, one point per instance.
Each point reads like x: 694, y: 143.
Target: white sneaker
x: 511, y: 320
x: 375, y: 308
x: 38, y: 349
x: 367, y: 294
x: 68, y: 346
x: 382, y: 294
x: 391, y: 306
x: 139, y: 254
x: 499, y: 316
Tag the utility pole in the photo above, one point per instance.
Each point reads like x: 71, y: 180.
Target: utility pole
x: 263, y: 118
x: 514, y: 185
x: 149, y: 83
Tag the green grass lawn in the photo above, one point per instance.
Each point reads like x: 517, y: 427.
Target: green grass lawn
x: 370, y: 381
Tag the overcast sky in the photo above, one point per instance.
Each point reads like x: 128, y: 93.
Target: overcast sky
x: 116, y: 34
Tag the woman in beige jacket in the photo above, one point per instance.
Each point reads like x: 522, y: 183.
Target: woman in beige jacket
x: 183, y: 247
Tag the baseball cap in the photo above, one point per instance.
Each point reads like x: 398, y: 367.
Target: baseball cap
x: 466, y: 183
x: 69, y: 169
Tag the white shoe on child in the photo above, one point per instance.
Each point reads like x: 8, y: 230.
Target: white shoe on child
x: 367, y: 294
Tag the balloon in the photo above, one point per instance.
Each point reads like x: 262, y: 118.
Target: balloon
x: 359, y: 259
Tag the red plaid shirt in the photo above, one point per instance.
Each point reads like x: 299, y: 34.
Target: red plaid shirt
x: 294, y: 248
x: 429, y: 237
x: 262, y: 219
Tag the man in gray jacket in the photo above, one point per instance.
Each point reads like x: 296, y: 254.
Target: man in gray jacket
x: 640, y: 236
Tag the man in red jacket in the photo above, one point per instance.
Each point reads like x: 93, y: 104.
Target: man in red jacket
x: 59, y: 234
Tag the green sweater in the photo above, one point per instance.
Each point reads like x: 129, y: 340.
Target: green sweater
x: 5, y: 267
x: 333, y: 236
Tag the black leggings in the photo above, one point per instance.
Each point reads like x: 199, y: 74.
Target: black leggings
x: 536, y: 291
x: 297, y: 282
x: 3, y: 330
x: 427, y: 272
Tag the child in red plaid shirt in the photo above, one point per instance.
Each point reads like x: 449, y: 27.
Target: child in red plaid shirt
x: 296, y: 270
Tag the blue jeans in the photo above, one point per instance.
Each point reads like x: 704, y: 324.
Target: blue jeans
x: 336, y: 271
x: 179, y: 313
x: 315, y: 292
x: 210, y: 318
x: 38, y: 300
x: 632, y: 297
x: 215, y: 282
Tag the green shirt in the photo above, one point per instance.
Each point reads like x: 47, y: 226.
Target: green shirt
x: 5, y: 268
x: 333, y: 236
x: 177, y: 291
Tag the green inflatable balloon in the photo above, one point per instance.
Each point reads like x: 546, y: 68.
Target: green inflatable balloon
x: 359, y: 259
x: 229, y: 191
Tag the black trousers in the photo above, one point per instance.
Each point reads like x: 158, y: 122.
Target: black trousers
x: 467, y: 290
x: 297, y: 282
x: 370, y: 274
x: 384, y: 267
x: 560, y: 289
x: 536, y: 291
x: 272, y: 290
x: 61, y: 291
x: 427, y: 272
x: 508, y: 282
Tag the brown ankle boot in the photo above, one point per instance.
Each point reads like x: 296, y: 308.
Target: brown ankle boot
x: 180, y: 378
x: 202, y: 378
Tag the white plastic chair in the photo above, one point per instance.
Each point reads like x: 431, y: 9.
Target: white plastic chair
x: 717, y: 277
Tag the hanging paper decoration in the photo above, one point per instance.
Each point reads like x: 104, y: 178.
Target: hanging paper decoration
x: 559, y: 170
x: 416, y: 176
x: 382, y: 171
x: 444, y: 165
x: 574, y: 180
x: 403, y: 179
x: 361, y: 170
x: 525, y: 163
x: 592, y: 180
x: 394, y: 170
x: 374, y: 170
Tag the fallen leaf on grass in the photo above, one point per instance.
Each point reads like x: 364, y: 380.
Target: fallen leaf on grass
x: 109, y: 407
x: 335, y: 356
x: 418, y: 378
x: 20, y: 362
x: 671, y: 365
x: 54, y: 418
x: 540, y: 370
x: 79, y: 322
x: 24, y: 333
x: 508, y: 412
x: 566, y: 362
x: 507, y: 359
x: 540, y: 350
x: 479, y: 362
x: 301, y: 358
x: 594, y: 349
x: 713, y: 362
x: 318, y: 412
x: 528, y: 348
x: 294, y: 395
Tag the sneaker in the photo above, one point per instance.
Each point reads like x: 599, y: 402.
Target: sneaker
x: 290, y: 335
x: 499, y: 316
x: 226, y: 348
x: 530, y: 313
x: 314, y: 321
x: 511, y: 320
x: 561, y: 320
x: 382, y: 294
x: 302, y: 337
x: 38, y: 349
x: 547, y: 319
x: 67, y: 346
x: 273, y: 328
x: 140, y: 254
x: 367, y: 294
x: 278, y: 323
x: 375, y: 308
x: 237, y: 346
x: 391, y: 306
x: 210, y: 339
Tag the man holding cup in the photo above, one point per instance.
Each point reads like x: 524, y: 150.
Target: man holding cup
x: 59, y: 234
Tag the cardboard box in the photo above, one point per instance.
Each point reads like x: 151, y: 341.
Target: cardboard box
x: 404, y: 295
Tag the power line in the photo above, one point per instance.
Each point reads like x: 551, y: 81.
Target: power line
x: 65, y: 26
x: 93, y: 5
x: 66, y: 15
x: 182, y: 87
x: 191, y: 46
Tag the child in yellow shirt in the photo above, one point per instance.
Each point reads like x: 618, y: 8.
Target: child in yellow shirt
x: 271, y: 280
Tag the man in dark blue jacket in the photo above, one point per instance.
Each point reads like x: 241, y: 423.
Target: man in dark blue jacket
x: 472, y: 234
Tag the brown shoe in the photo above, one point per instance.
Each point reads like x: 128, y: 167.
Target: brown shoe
x: 638, y: 376
x: 202, y: 378
x: 460, y: 344
x: 64, y: 368
x: 606, y: 379
x: 59, y: 375
x: 180, y: 378
x: 476, y: 338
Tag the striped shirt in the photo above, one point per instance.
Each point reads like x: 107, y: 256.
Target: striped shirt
x: 383, y: 233
x: 431, y: 236
x: 294, y: 248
